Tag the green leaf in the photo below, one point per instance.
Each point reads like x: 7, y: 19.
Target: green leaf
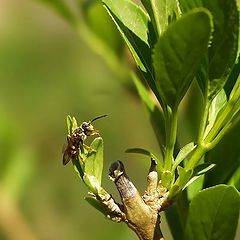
x: 94, y: 159
x: 216, y: 106
x: 213, y: 214
x: 69, y: 125
x: 183, y: 154
x: 162, y: 13
x: 166, y: 178
x: 62, y: 9
x: 178, y: 52
x: 198, y: 171
x: 174, y: 190
x: 92, y: 183
x: 74, y: 123
x: 223, y: 51
x: 184, y: 176
x: 146, y: 153
x: 132, y: 23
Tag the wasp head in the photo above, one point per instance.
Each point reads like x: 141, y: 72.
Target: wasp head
x: 88, y: 129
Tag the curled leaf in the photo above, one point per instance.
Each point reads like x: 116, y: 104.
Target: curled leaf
x: 146, y: 153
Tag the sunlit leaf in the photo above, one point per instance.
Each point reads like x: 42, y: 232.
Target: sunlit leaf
x: 94, y: 159
x: 92, y: 183
x: 166, y: 178
x: 213, y: 214
x: 178, y: 53
x: 132, y: 23
x: 216, y: 106
x: 74, y: 123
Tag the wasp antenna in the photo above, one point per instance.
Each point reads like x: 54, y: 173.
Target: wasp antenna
x: 102, y: 116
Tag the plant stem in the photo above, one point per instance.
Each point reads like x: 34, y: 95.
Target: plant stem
x: 171, y: 134
x: 204, y: 119
x: 197, y: 155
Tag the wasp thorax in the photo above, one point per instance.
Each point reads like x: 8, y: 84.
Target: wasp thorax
x: 79, y: 134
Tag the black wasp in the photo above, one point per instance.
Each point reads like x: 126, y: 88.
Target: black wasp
x: 76, y: 139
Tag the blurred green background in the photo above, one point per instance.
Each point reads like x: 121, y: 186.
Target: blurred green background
x: 47, y: 72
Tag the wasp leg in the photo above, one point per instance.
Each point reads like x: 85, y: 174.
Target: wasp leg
x: 89, y: 149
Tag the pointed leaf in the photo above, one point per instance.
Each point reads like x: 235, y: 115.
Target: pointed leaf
x: 198, y: 171
x: 74, y: 123
x: 183, y: 154
x: 216, y: 106
x: 184, y: 176
x: 178, y: 53
x: 69, y: 124
x: 133, y: 22
x: 94, y: 159
x: 213, y: 214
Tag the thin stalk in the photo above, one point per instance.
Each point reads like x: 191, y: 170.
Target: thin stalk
x: 197, y: 155
x: 203, y: 121
x: 204, y: 117
x: 171, y: 134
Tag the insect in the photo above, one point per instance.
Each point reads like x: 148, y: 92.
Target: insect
x: 75, y: 141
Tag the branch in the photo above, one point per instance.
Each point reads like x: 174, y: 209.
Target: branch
x: 140, y: 217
